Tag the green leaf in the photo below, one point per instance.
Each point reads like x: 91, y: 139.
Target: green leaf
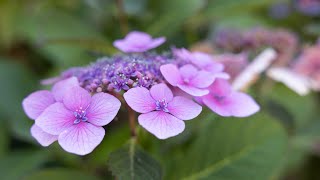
x: 174, y: 14
x: 60, y: 174
x: 17, y: 82
x: 216, y: 9
x: 302, y: 108
x: 232, y: 148
x: 130, y: 162
x: 62, y: 37
x: 115, y: 138
x: 19, y: 164
x: 4, y: 141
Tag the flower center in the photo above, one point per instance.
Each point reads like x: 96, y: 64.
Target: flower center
x: 162, y: 105
x: 186, y: 80
x: 80, y: 115
x: 218, y: 97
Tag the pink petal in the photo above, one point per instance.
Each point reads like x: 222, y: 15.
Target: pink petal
x: 188, y: 71
x: 220, y: 87
x: 242, y: 105
x: 138, y: 42
x: 162, y: 125
x: 103, y: 108
x: 160, y: 92
x: 55, y: 119
x: 171, y: 73
x: 76, y: 98
x: 59, y: 89
x: 37, y: 102
x: 178, y: 92
x: 202, y: 80
x: 156, y: 42
x: 221, y: 75
x: 184, y: 108
x: 237, y: 104
x: 122, y: 45
x: 183, y: 54
x: 45, y: 139
x: 140, y: 100
x: 219, y: 107
x: 136, y: 36
x: 82, y: 138
x: 206, y: 62
x: 193, y: 90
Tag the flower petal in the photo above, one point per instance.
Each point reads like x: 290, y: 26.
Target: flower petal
x: 218, y: 106
x: 220, y: 87
x: 237, y: 104
x: 76, y: 97
x: 162, y: 125
x: 242, y: 105
x: 193, y: 90
x: 82, y: 138
x: 137, y: 41
x: 206, y: 62
x: 156, y: 42
x: 137, y: 36
x: 59, y: 88
x: 55, y: 119
x: 160, y: 92
x: 171, y: 73
x: 140, y: 100
x: 37, y: 102
x: 103, y: 108
x: 184, y: 108
x: 202, y: 80
x: 45, y: 139
x: 188, y: 71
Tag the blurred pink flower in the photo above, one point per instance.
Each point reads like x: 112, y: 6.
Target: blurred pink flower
x: 308, y: 64
x: 162, y: 113
x: 202, y: 60
x: 137, y: 41
x: 227, y: 102
x: 35, y: 104
x: 77, y: 120
x: 234, y: 64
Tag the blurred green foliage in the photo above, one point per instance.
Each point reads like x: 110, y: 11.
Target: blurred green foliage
x: 38, y: 39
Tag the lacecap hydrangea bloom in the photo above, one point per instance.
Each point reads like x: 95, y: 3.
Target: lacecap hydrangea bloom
x: 165, y: 88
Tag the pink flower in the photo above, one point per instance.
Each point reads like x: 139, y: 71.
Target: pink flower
x: 77, y: 120
x: 162, y: 114
x: 37, y: 102
x: 188, y: 78
x: 234, y: 63
x: 137, y: 41
x: 226, y: 102
x: 202, y: 60
x: 207, y: 63
x: 183, y: 54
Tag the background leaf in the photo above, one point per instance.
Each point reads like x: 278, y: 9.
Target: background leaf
x: 60, y: 174
x: 130, y: 162
x: 229, y: 148
x: 19, y: 164
x: 12, y: 94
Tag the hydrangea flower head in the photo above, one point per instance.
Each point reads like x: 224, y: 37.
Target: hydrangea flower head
x: 162, y: 113
x: 137, y: 41
x: 160, y: 86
